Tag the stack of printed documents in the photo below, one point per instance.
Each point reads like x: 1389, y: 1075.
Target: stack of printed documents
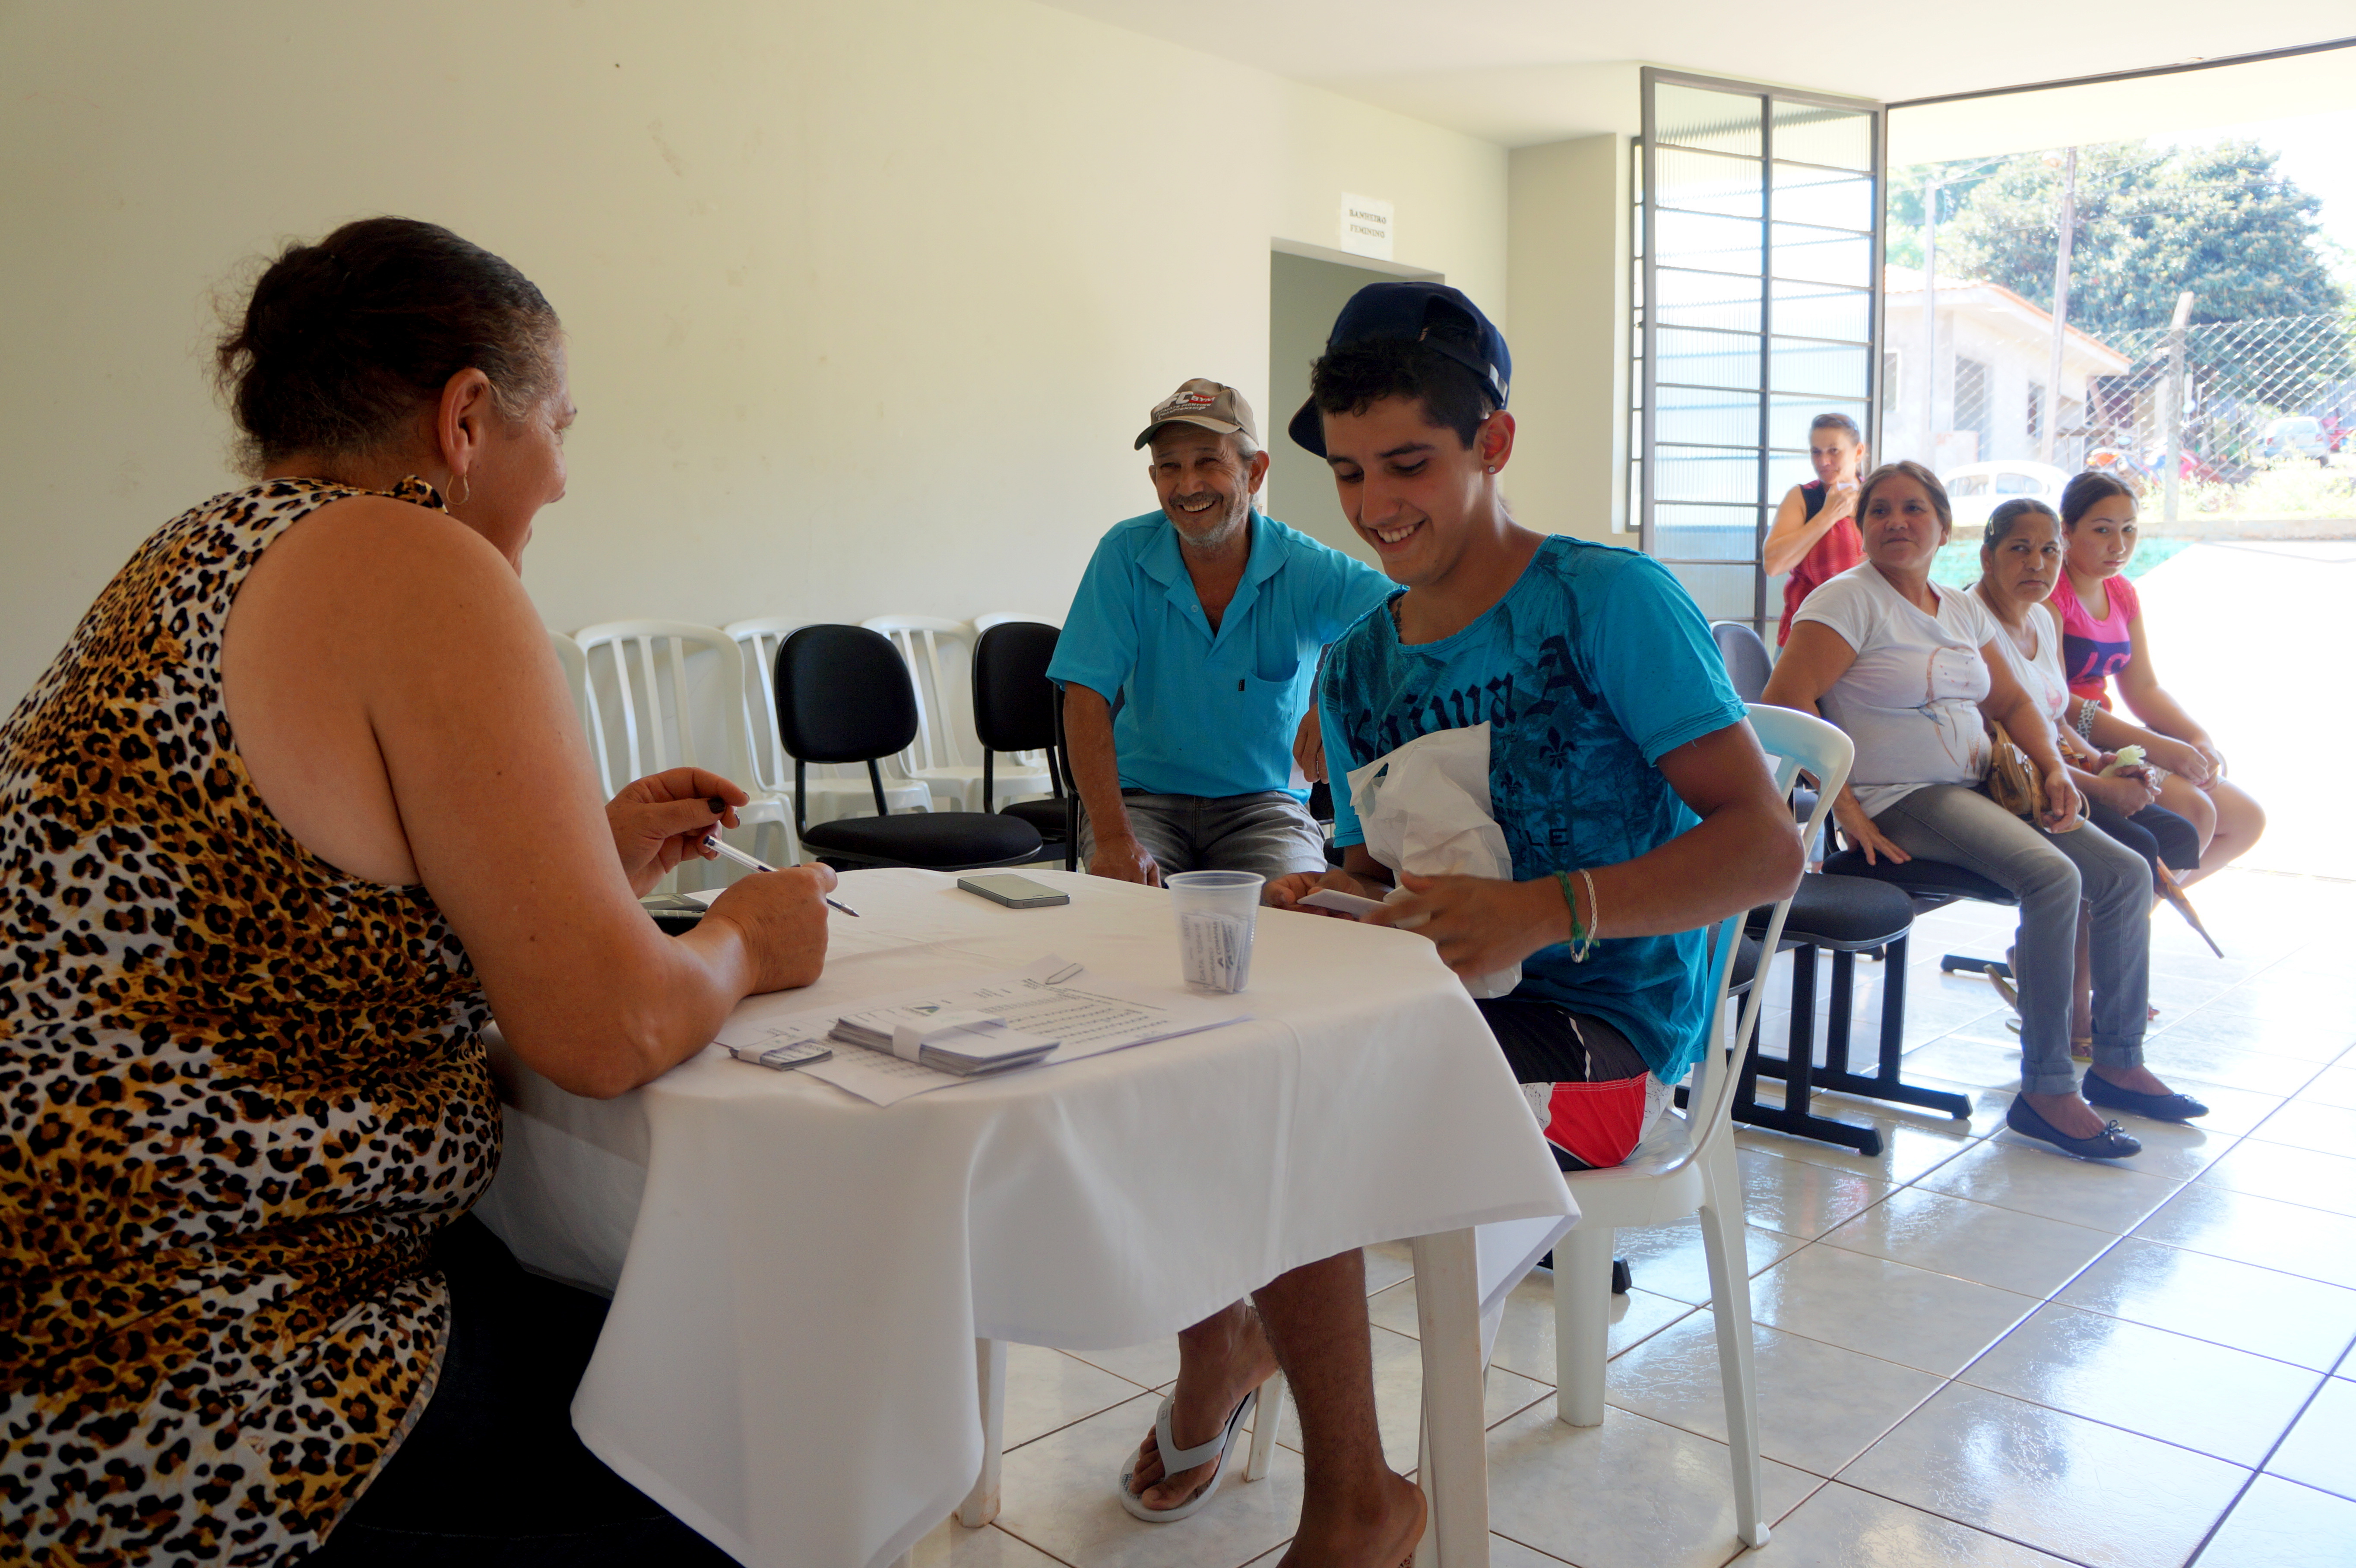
x: 966, y: 1042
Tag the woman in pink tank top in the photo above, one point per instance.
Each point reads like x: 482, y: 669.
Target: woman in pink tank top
x: 2103, y: 638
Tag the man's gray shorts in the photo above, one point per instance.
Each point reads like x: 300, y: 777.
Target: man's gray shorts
x: 1272, y: 833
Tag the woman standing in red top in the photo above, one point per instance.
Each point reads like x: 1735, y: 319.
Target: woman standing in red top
x: 2103, y: 638
x: 1815, y: 537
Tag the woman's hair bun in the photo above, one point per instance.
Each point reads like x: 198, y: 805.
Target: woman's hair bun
x: 341, y: 342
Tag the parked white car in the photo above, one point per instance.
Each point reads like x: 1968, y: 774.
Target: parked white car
x: 2299, y: 435
x: 1975, y: 489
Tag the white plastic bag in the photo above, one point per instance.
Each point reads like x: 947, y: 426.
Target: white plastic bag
x: 1425, y: 808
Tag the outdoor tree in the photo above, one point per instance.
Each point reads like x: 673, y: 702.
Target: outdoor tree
x: 2151, y: 222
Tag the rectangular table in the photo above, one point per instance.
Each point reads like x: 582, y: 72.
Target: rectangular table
x: 799, y: 1277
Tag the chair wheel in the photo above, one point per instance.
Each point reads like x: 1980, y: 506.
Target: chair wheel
x: 1621, y: 1278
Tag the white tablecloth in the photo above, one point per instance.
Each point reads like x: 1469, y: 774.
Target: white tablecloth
x: 799, y: 1276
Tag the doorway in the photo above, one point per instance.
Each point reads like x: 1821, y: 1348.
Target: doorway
x: 1307, y: 287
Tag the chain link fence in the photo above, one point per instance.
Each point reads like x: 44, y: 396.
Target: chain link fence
x: 2256, y: 419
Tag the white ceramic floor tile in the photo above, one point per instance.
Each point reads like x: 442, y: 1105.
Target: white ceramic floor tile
x: 2279, y: 1524
x: 1525, y: 1334
x: 1667, y: 1260
x: 1975, y: 1059
x: 1058, y: 1497
x: 1398, y: 1399
x: 1631, y: 1493
x: 1909, y: 1146
x: 1797, y: 1198
x: 1153, y: 1364
x: 1388, y: 1263
x: 1841, y: 1527
x: 1979, y: 1241
x: 2013, y: 1172
x: 2287, y: 1175
x: 1819, y: 1406
x: 2237, y: 1304
x: 2333, y: 1086
x: 1928, y: 1321
x: 2226, y: 1404
x: 954, y: 1546
x: 2311, y: 1242
x: 2184, y: 1063
x: 2328, y: 1129
x: 2321, y: 1451
x: 1047, y: 1389
x: 2019, y: 1470
x: 2316, y: 1034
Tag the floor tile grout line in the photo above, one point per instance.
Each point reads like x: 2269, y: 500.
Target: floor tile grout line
x: 1967, y: 1524
x: 2260, y: 1470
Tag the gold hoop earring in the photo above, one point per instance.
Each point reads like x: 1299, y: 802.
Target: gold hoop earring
x: 469, y: 484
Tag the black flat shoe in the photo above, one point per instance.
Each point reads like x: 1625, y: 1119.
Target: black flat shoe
x: 2101, y: 1090
x: 2111, y: 1143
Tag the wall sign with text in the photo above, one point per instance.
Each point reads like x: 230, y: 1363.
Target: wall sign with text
x: 1365, y: 226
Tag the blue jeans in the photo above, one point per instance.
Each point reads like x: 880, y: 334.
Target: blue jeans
x: 492, y: 1473
x: 2050, y: 873
x: 1270, y: 833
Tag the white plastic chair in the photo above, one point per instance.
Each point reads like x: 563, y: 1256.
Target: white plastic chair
x: 1688, y: 1167
x: 943, y: 677
x: 576, y: 675
x: 832, y: 795
x: 675, y: 690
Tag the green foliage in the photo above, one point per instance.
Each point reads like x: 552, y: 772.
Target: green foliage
x: 2218, y: 220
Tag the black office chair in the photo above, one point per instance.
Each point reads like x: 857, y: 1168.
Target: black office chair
x: 1748, y: 665
x: 1015, y: 709
x: 843, y: 697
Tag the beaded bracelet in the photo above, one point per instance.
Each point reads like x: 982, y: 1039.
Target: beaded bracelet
x: 1582, y: 937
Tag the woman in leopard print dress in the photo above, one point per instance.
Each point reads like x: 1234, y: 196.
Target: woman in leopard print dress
x: 296, y: 811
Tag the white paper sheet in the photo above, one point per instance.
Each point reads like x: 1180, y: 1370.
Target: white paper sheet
x: 1088, y: 1016
x: 1425, y: 808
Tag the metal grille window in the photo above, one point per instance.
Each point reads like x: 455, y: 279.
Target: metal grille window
x: 1758, y: 242
x: 1974, y: 411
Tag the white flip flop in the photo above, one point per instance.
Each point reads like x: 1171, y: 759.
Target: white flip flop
x: 1175, y: 1459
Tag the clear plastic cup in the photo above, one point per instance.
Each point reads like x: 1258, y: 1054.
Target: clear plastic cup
x: 1216, y: 913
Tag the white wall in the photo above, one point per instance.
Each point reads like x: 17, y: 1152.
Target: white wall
x: 1569, y: 304
x: 866, y: 302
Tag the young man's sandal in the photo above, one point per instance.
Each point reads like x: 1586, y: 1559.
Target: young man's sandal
x: 1176, y: 1461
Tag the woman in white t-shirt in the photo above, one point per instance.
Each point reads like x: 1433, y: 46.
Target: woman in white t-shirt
x: 1913, y: 672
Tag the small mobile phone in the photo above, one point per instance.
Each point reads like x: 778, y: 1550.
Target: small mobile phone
x: 1339, y: 902
x: 790, y: 1056
x: 674, y: 916
x: 1015, y: 892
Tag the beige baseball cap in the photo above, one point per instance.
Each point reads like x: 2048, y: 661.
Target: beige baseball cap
x: 1205, y: 403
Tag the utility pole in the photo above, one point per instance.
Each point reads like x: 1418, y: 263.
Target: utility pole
x: 1927, y: 454
x: 2051, y: 429
x: 2171, y: 405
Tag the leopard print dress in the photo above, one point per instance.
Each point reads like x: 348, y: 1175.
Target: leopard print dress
x: 239, y: 1092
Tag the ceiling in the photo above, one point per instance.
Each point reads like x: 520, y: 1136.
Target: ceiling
x: 1524, y: 71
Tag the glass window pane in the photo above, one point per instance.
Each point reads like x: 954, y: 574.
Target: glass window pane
x: 1681, y: 474
x: 1817, y: 310
x: 1707, y: 182
x: 1706, y: 533
x: 1706, y: 299
x: 1821, y: 255
x: 1690, y: 415
x: 1812, y: 133
x: 1823, y: 196
x: 1714, y: 122
x: 1838, y: 369
x: 1788, y: 418
x: 1723, y: 593
x: 1708, y: 358
x: 1717, y: 244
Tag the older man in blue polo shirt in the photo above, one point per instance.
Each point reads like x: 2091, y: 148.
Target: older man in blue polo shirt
x: 1187, y: 658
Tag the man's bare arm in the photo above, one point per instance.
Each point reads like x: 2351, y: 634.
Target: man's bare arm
x: 1095, y: 773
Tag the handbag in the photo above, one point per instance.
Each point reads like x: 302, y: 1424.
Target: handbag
x: 2013, y: 781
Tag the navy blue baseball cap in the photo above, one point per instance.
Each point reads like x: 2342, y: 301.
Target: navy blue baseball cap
x: 1411, y: 310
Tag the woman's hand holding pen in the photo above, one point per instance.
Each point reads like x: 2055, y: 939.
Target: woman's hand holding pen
x: 663, y: 818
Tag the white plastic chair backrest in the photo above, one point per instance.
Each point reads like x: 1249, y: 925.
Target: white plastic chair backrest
x: 758, y: 640
x: 1794, y: 741
x: 1000, y: 617
x: 943, y: 685
x: 663, y: 693
x: 576, y: 664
